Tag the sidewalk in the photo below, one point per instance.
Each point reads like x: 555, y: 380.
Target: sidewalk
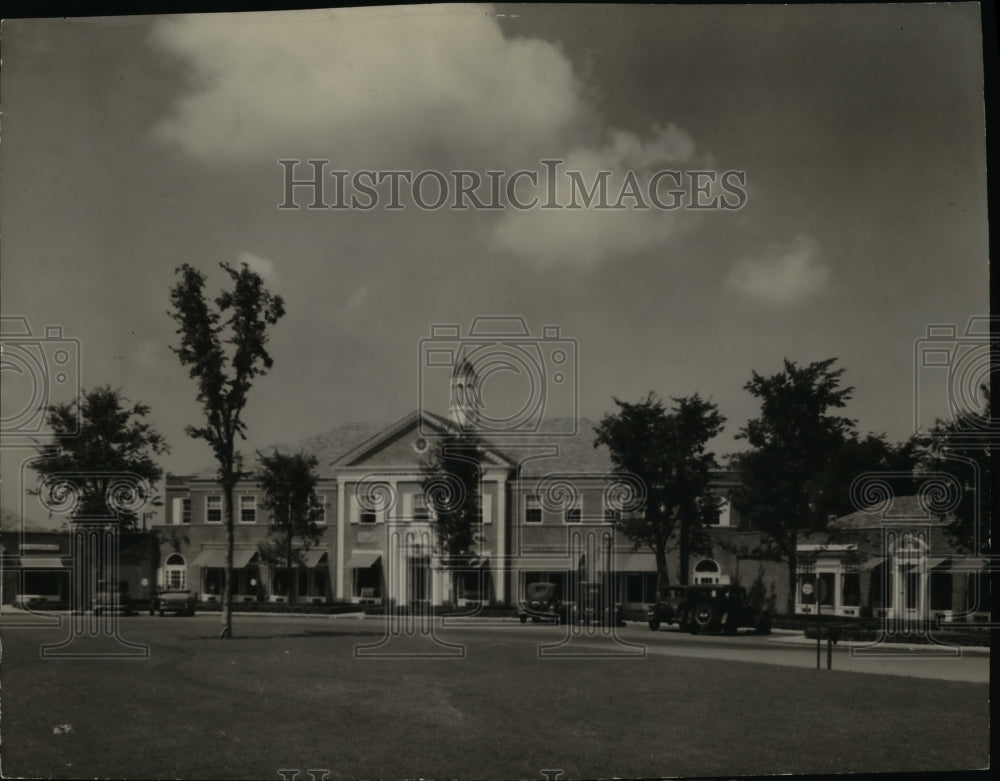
x: 793, y: 637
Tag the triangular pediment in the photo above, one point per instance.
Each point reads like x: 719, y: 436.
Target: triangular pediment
x: 406, y: 443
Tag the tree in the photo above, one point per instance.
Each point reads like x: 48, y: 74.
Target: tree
x: 224, y: 357
x: 450, y: 483
x: 794, y: 442
x: 667, y: 451
x: 95, y: 438
x: 960, y: 447
x: 289, y: 485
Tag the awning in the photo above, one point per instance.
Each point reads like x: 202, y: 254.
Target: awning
x: 544, y: 564
x: 966, y: 564
x: 635, y: 562
x: 42, y: 562
x: 216, y: 557
x: 313, y: 557
x: 363, y: 560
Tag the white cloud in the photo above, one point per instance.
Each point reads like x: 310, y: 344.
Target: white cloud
x: 588, y: 235
x: 263, y: 266
x: 381, y: 87
x: 411, y: 88
x: 787, y: 274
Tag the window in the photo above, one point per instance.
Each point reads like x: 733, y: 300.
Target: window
x: 368, y: 516
x: 248, y: 508
x: 186, y: 511
x: 420, y: 512
x: 321, y: 503
x: 532, y: 510
x: 850, y: 589
x: 573, y: 515
x: 826, y: 582
x: 213, y: 509
x: 368, y: 582
x: 940, y: 591
x: 175, y: 572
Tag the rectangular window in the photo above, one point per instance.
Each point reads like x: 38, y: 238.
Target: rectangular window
x: 186, y: 511
x: 420, y: 512
x: 532, y: 510
x: 368, y: 516
x: 213, y: 509
x: 573, y: 515
x: 321, y: 504
x: 248, y: 508
x: 825, y: 585
x: 850, y: 589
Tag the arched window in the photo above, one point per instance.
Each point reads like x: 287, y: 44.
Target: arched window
x: 706, y: 571
x: 175, y: 572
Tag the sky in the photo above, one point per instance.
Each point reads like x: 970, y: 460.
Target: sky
x: 132, y: 145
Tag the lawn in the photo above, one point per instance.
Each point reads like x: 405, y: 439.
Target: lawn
x: 288, y: 693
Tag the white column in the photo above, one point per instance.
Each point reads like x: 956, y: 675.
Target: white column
x: 341, y: 520
x: 502, y: 524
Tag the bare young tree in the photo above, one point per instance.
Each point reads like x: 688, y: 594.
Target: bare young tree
x: 223, y: 344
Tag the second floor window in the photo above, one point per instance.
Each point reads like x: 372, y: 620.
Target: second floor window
x: 532, y: 510
x: 573, y: 515
x: 248, y: 509
x: 368, y: 516
x: 213, y: 509
x: 186, y: 511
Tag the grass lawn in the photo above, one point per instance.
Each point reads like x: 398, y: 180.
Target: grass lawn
x: 289, y: 694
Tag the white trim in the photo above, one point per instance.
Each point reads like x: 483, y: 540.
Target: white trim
x: 486, y: 505
x: 500, y: 576
x: 177, y: 511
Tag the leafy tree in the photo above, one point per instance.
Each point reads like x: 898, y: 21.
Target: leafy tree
x: 794, y: 442
x: 113, y: 438
x: 961, y: 448
x: 224, y: 357
x: 667, y: 451
x: 450, y: 483
x: 289, y: 485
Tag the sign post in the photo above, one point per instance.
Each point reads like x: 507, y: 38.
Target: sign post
x: 807, y: 590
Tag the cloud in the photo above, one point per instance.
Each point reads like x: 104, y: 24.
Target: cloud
x: 263, y: 266
x: 785, y: 275
x: 591, y: 234
x: 398, y: 88
x: 382, y: 87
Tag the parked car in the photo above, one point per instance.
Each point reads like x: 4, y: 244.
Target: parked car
x: 668, y: 609
x: 596, y: 605
x: 112, y: 599
x: 181, y: 601
x: 709, y: 608
x: 542, y: 603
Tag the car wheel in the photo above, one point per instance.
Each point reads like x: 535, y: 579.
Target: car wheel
x: 654, y: 624
x: 763, y: 625
x: 524, y: 619
x: 703, y: 617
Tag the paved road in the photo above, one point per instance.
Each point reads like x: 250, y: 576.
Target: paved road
x: 780, y: 648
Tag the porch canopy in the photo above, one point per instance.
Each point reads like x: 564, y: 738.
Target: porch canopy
x: 216, y: 557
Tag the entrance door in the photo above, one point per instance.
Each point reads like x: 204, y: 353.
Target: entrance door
x: 418, y: 580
